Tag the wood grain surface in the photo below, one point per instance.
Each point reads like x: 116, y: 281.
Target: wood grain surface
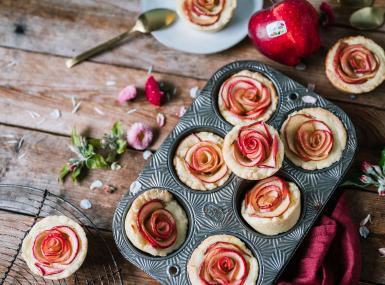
x: 36, y: 36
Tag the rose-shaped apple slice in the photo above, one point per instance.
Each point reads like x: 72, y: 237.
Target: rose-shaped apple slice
x: 157, y: 225
x: 205, y: 162
x: 195, y: 11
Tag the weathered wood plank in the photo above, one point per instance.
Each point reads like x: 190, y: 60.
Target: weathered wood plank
x: 71, y: 32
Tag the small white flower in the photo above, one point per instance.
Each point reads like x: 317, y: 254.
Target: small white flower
x: 194, y: 92
x: 147, y: 154
x: 382, y: 251
x: 160, y: 119
x: 85, y: 204
x: 182, y: 111
x: 135, y: 187
x: 97, y: 184
x: 115, y: 166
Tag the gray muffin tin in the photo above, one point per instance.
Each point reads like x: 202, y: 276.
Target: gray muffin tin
x: 218, y: 211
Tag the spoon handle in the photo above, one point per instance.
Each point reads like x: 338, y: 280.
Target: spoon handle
x: 99, y: 48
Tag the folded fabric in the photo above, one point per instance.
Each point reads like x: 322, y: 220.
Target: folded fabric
x: 330, y: 254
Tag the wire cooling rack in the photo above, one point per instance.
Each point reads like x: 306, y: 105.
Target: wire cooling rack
x: 20, y: 208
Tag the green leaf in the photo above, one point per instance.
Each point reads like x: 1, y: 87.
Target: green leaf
x: 76, y: 173
x: 353, y: 183
x: 112, y: 157
x: 63, y: 172
x: 382, y: 159
x: 76, y: 139
x: 117, y: 129
x: 122, y: 146
x: 94, y: 142
x: 96, y: 161
x: 89, y: 151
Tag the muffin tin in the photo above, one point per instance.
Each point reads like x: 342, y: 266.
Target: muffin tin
x: 218, y: 211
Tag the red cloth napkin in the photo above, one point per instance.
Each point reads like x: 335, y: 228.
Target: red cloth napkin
x: 330, y: 254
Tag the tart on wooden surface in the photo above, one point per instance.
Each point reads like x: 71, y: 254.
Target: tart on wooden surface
x: 206, y: 15
x: 355, y: 65
x: 222, y: 259
x: 272, y: 206
x: 199, y: 162
x: 55, y: 247
x: 156, y: 223
x: 254, y: 151
x: 314, y: 138
x: 247, y: 97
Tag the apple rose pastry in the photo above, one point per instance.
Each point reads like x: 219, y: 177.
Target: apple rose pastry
x: 314, y: 138
x: 206, y: 15
x: 199, y: 161
x: 55, y: 247
x: 247, y: 97
x: 272, y: 206
x: 253, y: 152
x: 355, y: 65
x: 222, y: 259
x: 156, y: 223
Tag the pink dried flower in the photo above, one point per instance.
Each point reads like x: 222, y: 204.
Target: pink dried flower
x: 139, y: 136
x: 365, y: 179
x: 327, y: 16
x: 126, y: 94
x: 367, y: 167
x: 160, y: 119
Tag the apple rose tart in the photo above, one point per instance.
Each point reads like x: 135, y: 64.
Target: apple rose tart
x: 206, y: 15
x: 355, y: 65
x: 247, y: 97
x: 199, y: 161
x: 222, y: 259
x: 253, y: 152
x: 156, y: 223
x: 55, y: 247
x: 314, y: 138
x: 272, y: 206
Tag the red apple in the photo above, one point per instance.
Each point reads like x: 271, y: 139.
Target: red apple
x: 287, y: 31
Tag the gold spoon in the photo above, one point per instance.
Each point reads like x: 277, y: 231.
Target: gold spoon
x: 368, y: 18
x: 147, y: 22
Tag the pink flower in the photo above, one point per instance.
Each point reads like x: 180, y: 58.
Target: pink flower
x: 327, y: 16
x: 126, y: 94
x: 365, y: 179
x: 367, y: 167
x: 139, y: 136
x: 160, y: 119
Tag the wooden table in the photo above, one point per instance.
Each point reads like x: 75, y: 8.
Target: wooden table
x: 36, y: 36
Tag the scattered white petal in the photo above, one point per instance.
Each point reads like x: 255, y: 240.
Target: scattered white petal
x: 160, y: 119
x: 7, y: 136
x: 135, y: 187
x: 11, y: 142
x: 97, y: 110
x: 76, y: 107
x: 21, y: 156
x: 311, y: 86
x: 174, y: 91
x: 34, y: 114
x: 73, y: 101
x: 149, y: 70
x: 11, y: 63
x: 382, y: 251
x: 131, y: 111
x: 147, y: 154
x: 364, y: 231
x: 309, y: 99
x: 115, y: 166
x: 20, y: 144
x: 194, y: 92
x: 85, y: 204
x: 182, y: 111
x: 300, y: 66
x: 367, y: 219
x: 40, y: 122
x: 110, y: 82
x: 56, y: 114
x: 96, y: 184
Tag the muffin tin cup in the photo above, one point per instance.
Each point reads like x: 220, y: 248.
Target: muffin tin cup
x: 218, y: 211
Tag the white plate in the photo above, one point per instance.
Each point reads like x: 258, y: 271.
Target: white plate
x: 182, y: 37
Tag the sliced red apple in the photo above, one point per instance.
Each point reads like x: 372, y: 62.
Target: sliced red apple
x: 292, y: 124
x: 201, y: 20
x: 72, y: 241
x: 207, y: 8
x: 46, y: 271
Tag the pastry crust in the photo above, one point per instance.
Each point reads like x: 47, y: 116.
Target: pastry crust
x: 339, y: 135
x: 225, y: 17
x: 171, y: 205
x: 250, y: 173
x: 280, y: 224
x: 233, y: 119
x: 198, y: 255
x: 46, y: 224
x: 180, y: 166
x: 356, y: 88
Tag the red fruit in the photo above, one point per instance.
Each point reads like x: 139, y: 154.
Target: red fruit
x: 153, y: 93
x: 287, y: 31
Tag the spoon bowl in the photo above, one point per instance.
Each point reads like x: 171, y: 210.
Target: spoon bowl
x: 368, y: 18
